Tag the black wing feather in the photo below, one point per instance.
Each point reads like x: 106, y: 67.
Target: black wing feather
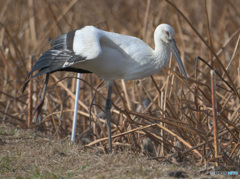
x: 54, y: 59
x: 59, y: 43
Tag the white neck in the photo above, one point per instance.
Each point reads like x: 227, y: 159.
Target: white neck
x: 161, y: 52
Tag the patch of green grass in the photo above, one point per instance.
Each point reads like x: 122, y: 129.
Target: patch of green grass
x: 69, y: 175
x: 5, y: 165
x: 37, y: 174
x: 84, y: 166
x: 11, y: 132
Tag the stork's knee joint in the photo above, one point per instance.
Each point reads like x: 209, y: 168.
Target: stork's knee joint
x: 108, y: 104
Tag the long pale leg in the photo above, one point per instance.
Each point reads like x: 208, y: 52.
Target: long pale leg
x: 107, y: 111
x: 76, y: 108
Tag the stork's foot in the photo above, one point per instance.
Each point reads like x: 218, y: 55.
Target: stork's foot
x: 38, y: 108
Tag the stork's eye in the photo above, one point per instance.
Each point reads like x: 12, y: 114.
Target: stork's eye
x: 167, y: 33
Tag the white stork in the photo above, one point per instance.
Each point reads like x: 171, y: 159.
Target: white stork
x: 110, y: 55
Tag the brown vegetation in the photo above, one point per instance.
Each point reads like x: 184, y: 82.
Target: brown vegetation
x: 172, y: 116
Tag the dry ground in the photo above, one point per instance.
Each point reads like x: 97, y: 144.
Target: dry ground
x: 30, y: 153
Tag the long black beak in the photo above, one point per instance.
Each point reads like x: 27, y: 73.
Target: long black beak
x: 177, y: 57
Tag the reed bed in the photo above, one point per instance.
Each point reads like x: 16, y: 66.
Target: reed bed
x: 164, y: 116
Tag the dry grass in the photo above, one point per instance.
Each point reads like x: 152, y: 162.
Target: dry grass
x: 177, y: 120
x: 29, y: 153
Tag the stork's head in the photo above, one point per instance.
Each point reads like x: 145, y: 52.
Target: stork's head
x: 165, y: 33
